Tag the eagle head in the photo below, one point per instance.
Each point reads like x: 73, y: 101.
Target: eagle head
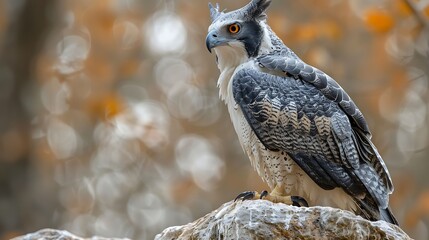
x: 243, y: 30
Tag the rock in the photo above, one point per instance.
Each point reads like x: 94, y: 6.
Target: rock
x: 51, y: 234
x: 262, y: 219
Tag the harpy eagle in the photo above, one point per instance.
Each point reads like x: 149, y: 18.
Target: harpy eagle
x: 303, y: 134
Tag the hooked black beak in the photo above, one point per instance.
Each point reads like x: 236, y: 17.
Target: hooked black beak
x: 213, y: 40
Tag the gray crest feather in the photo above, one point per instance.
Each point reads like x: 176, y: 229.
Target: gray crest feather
x: 256, y: 8
x: 253, y: 10
x: 214, y: 11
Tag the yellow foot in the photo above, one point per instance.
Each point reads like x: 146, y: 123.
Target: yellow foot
x: 290, y: 200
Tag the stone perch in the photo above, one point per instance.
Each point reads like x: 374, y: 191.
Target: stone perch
x: 260, y: 219
x: 54, y: 234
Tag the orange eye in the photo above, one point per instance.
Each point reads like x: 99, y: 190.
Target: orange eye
x: 234, y: 28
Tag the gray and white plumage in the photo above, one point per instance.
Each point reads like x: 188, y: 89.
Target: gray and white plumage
x: 300, y: 129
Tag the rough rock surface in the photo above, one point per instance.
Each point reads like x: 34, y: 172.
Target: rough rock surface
x: 261, y: 219
x: 53, y: 234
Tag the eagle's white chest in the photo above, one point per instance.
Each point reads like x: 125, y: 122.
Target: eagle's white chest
x: 276, y: 168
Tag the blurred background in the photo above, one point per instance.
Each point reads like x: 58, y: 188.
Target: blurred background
x: 110, y: 122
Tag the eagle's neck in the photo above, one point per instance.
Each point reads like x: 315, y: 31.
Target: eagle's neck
x: 229, y: 58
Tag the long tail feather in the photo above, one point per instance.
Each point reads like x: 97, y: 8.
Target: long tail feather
x: 387, y: 216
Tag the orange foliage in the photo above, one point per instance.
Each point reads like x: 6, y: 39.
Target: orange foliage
x: 426, y: 11
x: 379, y: 20
x: 278, y: 23
x: 323, y: 29
x: 423, y: 203
x: 129, y: 67
x: 106, y: 106
x: 330, y: 30
x: 306, y: 32
x: 99, y: 68
x: 403, y: 8
x: 182, y: 189
x: 420, y: 210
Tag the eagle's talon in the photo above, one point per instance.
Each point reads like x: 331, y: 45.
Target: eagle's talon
x: 298, y: 201
x: 245, y: 196
x: 264, y: 194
